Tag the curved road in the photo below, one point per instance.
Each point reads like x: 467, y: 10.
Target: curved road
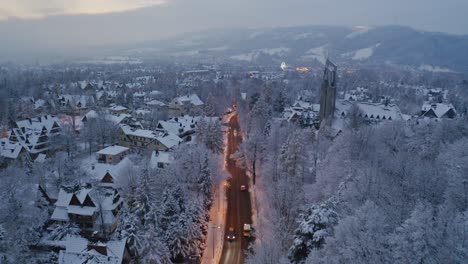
x: 239, y: 208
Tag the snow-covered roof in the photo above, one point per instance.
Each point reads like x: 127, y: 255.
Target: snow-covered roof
x: 118, y: 108
x: 374, y: 111
x: 191, y: 99
x: 142, y: 111
x: 112, y: 150
x: 155, y: 103
x: 168, y: 139
x: 114, y: 118
x: 80, y: 101
x: 41, y: 158
x: 28, y: 132
x: 139, y: 94
x: 129, y: 131
x: 183, y: 124
x: 79, y: 251
x: 100, y: 197
x: 439, y: 109
x: 39, y: 103
x: 9, y: 149
x: 155, y: 92
x: 164, y: 157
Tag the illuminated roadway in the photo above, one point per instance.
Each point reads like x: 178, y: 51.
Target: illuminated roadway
x: 239, y: 207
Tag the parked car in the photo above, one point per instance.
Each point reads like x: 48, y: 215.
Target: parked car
x: 247, y: 230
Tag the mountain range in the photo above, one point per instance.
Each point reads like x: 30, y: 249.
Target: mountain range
x: 390, y: 45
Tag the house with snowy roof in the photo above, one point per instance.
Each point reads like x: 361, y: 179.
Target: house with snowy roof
x: 118, y: 109
x: 79, y: 250
x: 183, y: 126
x: 112, y: 154
x: 161, y: 159
x: 372, y: 112
x: 155, y: 104
x: 10, y: 150
x: 116, y: 119
x: 35, y: 134
x: 143, y: 139
x: 152, y: 95
x: 302, y: 112
x: 183, y: 105
x: 76, y: 103
x: 95, y: 209
x: 438, y: 110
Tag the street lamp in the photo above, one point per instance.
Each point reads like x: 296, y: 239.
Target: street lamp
x: 213, y: 236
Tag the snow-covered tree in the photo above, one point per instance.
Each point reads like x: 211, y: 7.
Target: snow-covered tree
x: 315, y: 225
x: 205, y: 183
x: 360, y: 238
x: 210, y: 133
x: 414, y: 240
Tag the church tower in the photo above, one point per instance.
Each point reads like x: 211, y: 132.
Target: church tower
x: 328, y: 93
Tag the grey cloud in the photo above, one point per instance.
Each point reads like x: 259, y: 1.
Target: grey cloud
x: 177, y: 16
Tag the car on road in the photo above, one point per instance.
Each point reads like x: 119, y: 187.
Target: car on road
x: 243, y: 188
x: 231, y: 235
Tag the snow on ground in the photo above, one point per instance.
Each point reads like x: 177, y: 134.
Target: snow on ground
x: 431, y: 68
x: 215, y: 236
x: 318, y: 53
x: 308, y: 35
x: 218, y: 48
x: 357, y: 31
x: 361, y: 54
x: 245, y: 57
x: 303, y: 36
x: 276, y: 51
x: 186, y: 53
x: 142, y: 50
x: 259, y: 33
x: 115, y: 60
x: 254, y: 54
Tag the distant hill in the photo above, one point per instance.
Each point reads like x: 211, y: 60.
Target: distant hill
x: 391, y: 45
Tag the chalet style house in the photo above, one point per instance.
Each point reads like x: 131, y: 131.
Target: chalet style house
x: 75, y: 103
x: 35, y: 135
x: 438, y: 110
x: 95, y: 209
x: 372, y: 112
x: 183, y: 126
x: 184, y: 105
x: 146, y: 140
x: 79, y: 250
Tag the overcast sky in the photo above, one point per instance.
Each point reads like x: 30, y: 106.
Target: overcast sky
x: 52, y: 24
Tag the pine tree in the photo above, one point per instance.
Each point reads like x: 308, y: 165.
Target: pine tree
x: 315, y: 225
x: 155, y: 252
x: 205, y: 183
